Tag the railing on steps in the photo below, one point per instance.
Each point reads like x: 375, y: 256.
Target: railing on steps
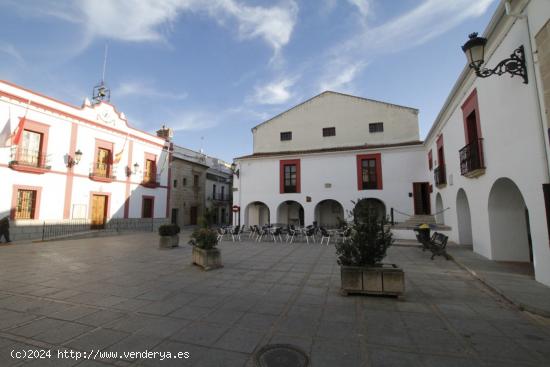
x: 409, y: 216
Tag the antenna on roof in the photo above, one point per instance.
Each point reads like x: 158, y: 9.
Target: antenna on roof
x: 100, y: 92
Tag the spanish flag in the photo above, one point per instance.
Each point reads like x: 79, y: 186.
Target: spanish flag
x: 16, y: 137
x: 118, y: 156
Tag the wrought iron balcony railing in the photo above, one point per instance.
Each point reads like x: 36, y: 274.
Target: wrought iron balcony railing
x: 440, y: 175
x: 103, y: 171
x: 29, y: 158
x: 471, y: 159
x: 220, y: 197
x: 150, y: 180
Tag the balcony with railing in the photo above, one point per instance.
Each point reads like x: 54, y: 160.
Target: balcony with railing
x: 103, y: 172
x: 28, y: 160
x: 471, y: 159
x: 440, y: 176
x: 150, y: 180
x: 221, y: 198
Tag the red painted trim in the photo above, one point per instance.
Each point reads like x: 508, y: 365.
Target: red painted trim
x: 128, y: 180
x: 28, y: 169
x: 73, y: 116
x: 150, y: 157
x: 440, y: 151
x: 70, y: 174
x: 143, y: 197
x: 40, y: 128
x: 38, y: 190
x: 103, y: 144
x: 378, y: 158
x: 282, y: 164
x: 169, y: 190
x: 430, y: 189
x: 430, y: 160
x: 107, y: 209
x: 470, y: 105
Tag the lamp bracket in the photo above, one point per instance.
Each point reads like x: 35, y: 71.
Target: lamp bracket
x: 514, y: 65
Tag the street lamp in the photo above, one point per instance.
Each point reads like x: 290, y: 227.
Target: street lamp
x: 74, y: 161
x: 474, y: 49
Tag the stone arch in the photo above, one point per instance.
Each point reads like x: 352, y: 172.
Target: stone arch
x: 290, y: 212
x: 508, y: 222
x: 439, y: 213
x: 329, y: 213
x: 256, y: 213
x: 464, y: 218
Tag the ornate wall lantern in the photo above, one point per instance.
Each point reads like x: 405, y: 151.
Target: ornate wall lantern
x: 74, y: 161
x: 474, y: 49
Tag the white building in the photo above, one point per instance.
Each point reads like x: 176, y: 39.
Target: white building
x: 71, y: 162
x: 490, y: 140
x: 311, y: 162
x: 485, y: 170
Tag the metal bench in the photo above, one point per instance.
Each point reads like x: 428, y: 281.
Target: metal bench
x: 437, y: 245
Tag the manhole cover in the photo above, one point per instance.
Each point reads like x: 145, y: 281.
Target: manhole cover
x: 281, y: 355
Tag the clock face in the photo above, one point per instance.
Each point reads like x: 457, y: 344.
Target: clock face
x: 107, y: 117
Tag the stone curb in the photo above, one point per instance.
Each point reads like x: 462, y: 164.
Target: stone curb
x: 520, y: 305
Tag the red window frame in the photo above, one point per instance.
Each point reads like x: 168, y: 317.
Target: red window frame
x: 378, y: 158
x: 430, y: 160
x: 107, y: 145
x: 43, y: 130
x: 36, y: 205
x: 152, y: 175
x: 440, y: 152
x: 147, y: 197
x: 471, y: 105
x: 282, y: 164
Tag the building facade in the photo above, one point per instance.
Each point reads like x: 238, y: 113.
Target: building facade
x: 60, y: 162
x: 488, y: 148
x: 219, y: 180
x: 311, y: 162
x: 188, y: 181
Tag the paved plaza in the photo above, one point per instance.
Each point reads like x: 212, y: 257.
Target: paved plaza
x: 124, y: 294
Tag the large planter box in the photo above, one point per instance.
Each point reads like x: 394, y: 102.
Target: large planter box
x: 169, y: 241
x: 208, y: 259
x: 383, y: 279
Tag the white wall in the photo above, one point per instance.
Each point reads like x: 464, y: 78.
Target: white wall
x: 514, y: 147
x: 259, y: 180
x: 351, y: 117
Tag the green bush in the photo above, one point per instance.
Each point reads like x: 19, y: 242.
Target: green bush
x: 169, y: 230
x: 204, y: 238
x: 369, y: 241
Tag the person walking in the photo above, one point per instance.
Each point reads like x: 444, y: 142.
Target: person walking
x: 5, y: 228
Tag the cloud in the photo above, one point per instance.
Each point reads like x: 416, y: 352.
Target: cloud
x: 276, y: 92
x: 362, y: 5
x: 413, y: 28
x: 343, y: 77
x: 9, y: 49
x: 143, y: 89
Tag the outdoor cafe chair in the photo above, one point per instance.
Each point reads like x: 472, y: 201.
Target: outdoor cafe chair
x: 325, y: 235
x: 309, y: 233
x: 235, y: 233
x: 276, y: 233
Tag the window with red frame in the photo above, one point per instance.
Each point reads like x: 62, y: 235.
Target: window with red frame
x: 369, y: 172
x: 26, y: 204
x: 150, y: 174
x: 430, y: 160
x: 289, y: 176
x: 147, y: 207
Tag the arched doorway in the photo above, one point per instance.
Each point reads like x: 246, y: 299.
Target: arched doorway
x: 256, y: 213
x: 508, y: 223
x: 374, y: 207
x: 290, y: 212
x: 329, y: 213
x: 464, y: 219
x: 439, y: 214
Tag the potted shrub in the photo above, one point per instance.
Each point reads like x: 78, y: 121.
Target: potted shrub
x: 205, y: 252
x: 169, y: 237
x: 360, y: 257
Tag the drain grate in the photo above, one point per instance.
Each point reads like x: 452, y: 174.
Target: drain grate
x: 280, y: 355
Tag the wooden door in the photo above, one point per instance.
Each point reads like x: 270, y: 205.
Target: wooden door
x: 421, y: 197
x: 193, y: 213
x: 99, y: 211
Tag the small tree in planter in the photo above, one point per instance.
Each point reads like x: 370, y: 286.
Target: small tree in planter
x: 360, y: 256
x: 205, y: 252
x: 169, y: 235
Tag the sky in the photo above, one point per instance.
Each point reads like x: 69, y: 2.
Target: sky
x: 213, y: 69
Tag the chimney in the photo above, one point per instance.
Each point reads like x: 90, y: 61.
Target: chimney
x: 166, y: 133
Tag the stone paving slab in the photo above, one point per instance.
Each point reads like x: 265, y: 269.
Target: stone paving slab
x: 122, y: 294
x: 508, y: 280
